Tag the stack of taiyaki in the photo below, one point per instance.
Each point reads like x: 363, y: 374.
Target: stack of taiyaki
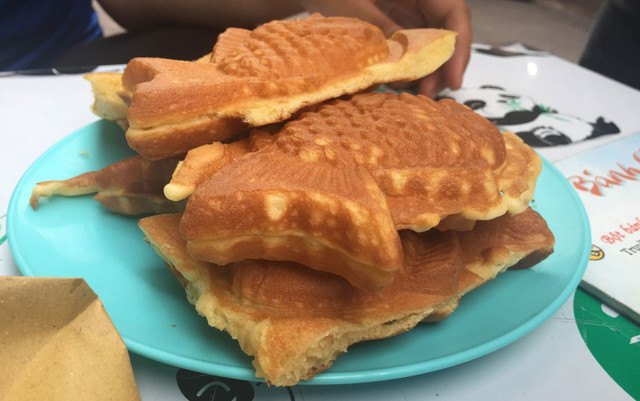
x: 301, y: 213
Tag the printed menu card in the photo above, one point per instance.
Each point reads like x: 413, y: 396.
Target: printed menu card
x: 607, y: 180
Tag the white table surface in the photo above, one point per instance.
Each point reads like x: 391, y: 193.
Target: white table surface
x: 552, y: 362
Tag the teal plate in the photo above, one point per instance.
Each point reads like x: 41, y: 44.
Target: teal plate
x: 76, y: 237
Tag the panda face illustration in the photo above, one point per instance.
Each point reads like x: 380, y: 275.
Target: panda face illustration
x: 537, y: 125
x: 494, y: 102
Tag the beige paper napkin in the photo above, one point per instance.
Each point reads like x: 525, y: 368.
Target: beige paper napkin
x: 58, y: 343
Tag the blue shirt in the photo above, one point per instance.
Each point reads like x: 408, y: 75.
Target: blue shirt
x: 33, y: 33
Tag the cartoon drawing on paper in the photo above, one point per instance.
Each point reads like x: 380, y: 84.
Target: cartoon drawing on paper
x: 538, y: 125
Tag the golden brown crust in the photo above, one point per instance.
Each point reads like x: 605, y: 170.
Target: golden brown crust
x: 265, y: 75
x: 283, y: 208
x: 135, y: 186
x: 201, y: 163
x: 324, y: 184
x: 130, y: 186
x: 517, y: 180
x: 176, y: 138
x: 80, y: 185
x: 431, y: 159
x: 295, y: 321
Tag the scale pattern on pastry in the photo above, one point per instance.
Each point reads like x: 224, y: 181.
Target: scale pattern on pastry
x: 295, y: 321
x: 342, y: 178
x: 263, y: 76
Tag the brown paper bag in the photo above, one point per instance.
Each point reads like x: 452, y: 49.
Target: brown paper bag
x: 58, y: 343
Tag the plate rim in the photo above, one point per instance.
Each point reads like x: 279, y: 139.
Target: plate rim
x: 328, y: 377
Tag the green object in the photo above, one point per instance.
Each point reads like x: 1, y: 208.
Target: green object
x: 3, y: 232
x: 613, y: 340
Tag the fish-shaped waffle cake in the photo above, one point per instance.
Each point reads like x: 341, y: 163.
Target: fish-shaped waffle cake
x: 330, y: 219
x: 265, y: 75
x: 301, y: 212
x: 202, y: 162
x: 340, y: 180
x: 107, y: 102
x: 296, y: 321
x: 130, y: 186
x: 107, y: 93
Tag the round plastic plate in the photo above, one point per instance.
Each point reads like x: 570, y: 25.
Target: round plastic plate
x: 77, y: 237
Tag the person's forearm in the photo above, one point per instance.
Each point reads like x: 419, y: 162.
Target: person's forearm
x: 219, y: 14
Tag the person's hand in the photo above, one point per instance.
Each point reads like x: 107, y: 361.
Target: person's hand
x: 392, y: 15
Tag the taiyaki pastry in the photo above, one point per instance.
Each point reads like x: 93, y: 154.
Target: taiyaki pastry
x: 296, y: 321
x: 107, y: 93
x: 277, y: 208
x: 301, y: 212
x: 336, y: 183
x: 263, y: 76
x: 131, y: 186
x: 107, y: 103
x: 202, y: 162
